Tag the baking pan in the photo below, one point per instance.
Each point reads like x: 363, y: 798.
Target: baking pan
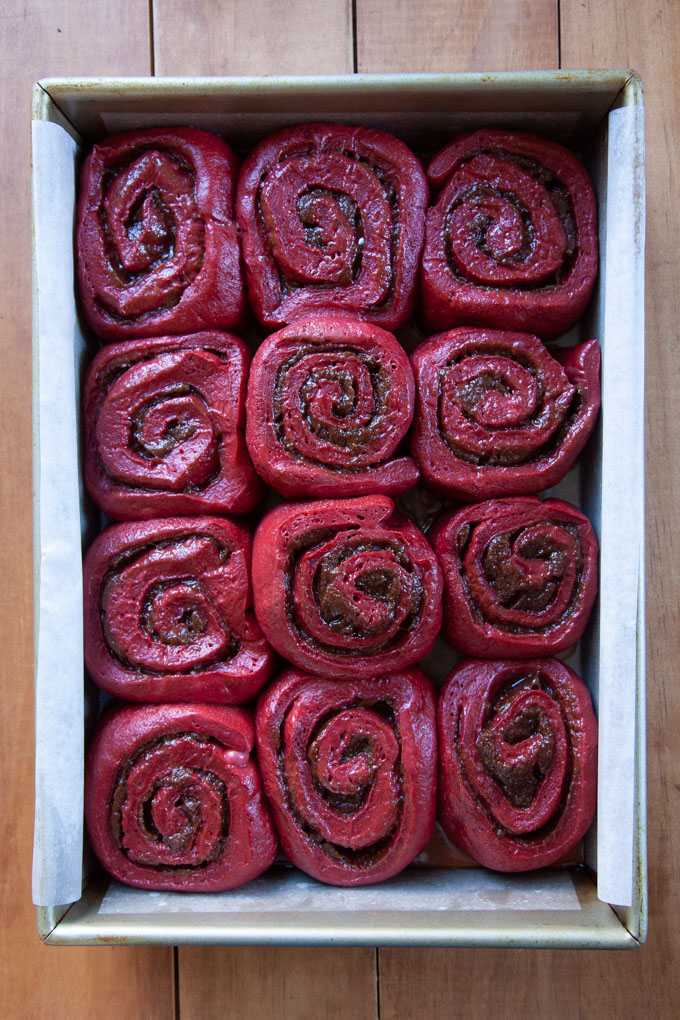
x: 600, y: 904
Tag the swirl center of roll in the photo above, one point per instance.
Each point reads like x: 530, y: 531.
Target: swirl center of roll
x: 328, y: 222
x: 331, y: 404
x: 172, y: 815
x: 161, y: 612
x: 516, y: 755
x: 526, y: 577
x: 356, y: 592
x: 156, y: 432
x: 153, y: 234
x: 502, y: 400
x: 508, y: 222
x: 491, y: 390
x: 343, y: 777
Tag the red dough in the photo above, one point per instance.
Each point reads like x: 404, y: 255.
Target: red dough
x: 512, y: 240
x: 329, y: 402
x: 346, y: 588
x: 520, y: 576
x: 349, y: 768
x: 332, y: 219
x: 164, y: 427
x: 498, y: 415
x: 518, y: 761
x: 173, y: 799
x: 167, y: 612
x: 156, y: 239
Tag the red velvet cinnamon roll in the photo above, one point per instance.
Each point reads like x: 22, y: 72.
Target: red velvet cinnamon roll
x: 167, y: 612
x: 512, y: 240
x: 332, y: 219
x: 498, y: 415
x: 518, y: 761
x: 329, y: 402
x: 173, y: 799
x: 349, y: 768
x: 156, y: 240
x: 520, y: 576
x: 164, y: 427
x: 346, y: 587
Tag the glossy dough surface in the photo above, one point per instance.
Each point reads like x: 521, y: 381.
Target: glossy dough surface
x: 497, y: 415
x: 512, y: 239
x: 329, y: 402
x: 164, y: 427
x: 520, y: 576
x: 173, y: 799
x: 332, y: 219
x: 349, y: 767
x: 156, y: 240
x: 167, y: 612
x: 346, y: 588
x: 518, y: 761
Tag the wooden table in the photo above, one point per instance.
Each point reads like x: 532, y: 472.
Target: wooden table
x: 140, y: 37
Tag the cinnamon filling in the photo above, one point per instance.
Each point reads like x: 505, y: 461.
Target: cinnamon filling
x: 344, y: 804
x: 186, y: 804
x: 341, y: 433
x: 559, y: 197
x: 519, y: 780
x: 509, y: 580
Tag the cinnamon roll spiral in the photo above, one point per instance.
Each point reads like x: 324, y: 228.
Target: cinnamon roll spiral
x: 349, y: 768
x: 518, y: 761
x: 520, y: 576
x: 332, y: 219
x: 156, y: 239
x: 173, y: 798
x: 512, y: 239
x: 498, y: 415
x: 329, y: 402
x: 346, y: 586
x: 167, y: 612
x: 164, y: 427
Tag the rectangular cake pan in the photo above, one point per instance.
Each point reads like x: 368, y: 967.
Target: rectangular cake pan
x: 599, y: 905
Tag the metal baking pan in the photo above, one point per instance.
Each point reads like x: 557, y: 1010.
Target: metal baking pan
x: 600, y: 115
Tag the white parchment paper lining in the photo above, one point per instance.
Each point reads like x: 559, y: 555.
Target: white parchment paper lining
x: 293, y: 892
x: 59, y: 713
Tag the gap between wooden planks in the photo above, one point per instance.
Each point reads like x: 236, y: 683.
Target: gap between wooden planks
x: 53, y: 37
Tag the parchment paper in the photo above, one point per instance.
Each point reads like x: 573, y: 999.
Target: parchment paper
x: 291, y: 892
x: 57, y: 859
x: 622, y: 519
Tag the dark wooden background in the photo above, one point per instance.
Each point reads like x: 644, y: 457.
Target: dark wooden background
x: 139, y: 37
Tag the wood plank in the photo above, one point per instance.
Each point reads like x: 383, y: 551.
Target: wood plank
x: 39, y: 38
x: 265, y: 37
x: 252, y: 37
x: 439, y: 36
x: 479, y: 983
x: 646, y: 36
x: 468, y: 35
x: 287, y: 983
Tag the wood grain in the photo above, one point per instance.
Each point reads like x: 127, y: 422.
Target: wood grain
x: 469, y: 35
x: 39, y: 39
x: 264, y: 37
x: 438, y: 36
x: 479, y: 983
x: 304, y: 984
x: 646, y: 36
x: 252, y: 37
